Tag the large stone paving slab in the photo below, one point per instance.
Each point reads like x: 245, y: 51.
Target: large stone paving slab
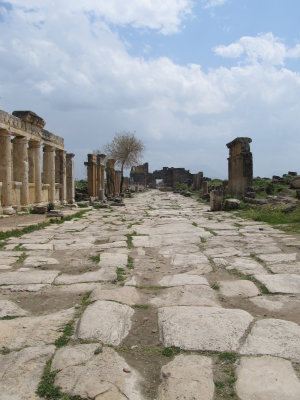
x: 242, y: 288
x: 280, y: 283
x: 286, y: 268
x: 187, y: 377
x: 21, y: 372
x: 106, y: 321
x: 274, y: 337
x: 33, y: 331
x: 183, y: 279
x: 279, y: 258
x: 202, y: 328
x: 246, y: 265
x: 102, y: 274
x: 113, y: 260
x: 37, y: 261
x: 267, y: 378
x: 189, y: 295
x: 27, y: 276
x: 277, y: 302
x: 10, y: 309
x: 102, y: 376
x: 126, y: 295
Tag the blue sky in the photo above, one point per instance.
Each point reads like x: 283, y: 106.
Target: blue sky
x: 186, y: 76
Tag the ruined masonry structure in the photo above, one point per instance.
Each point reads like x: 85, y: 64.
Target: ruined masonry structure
x: 95, y: 172
x: 110, y: 178
x: 240, y: 166
x: 22, y: 140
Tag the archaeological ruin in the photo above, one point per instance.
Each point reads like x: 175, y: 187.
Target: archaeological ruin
x: 26, y: 178
x: 96, y: 175
x: 240, y: 167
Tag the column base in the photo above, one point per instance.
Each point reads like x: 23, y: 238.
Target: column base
x: 8, y: 211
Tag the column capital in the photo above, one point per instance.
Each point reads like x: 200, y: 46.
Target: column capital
x: 70, y: 155
x: 4, y: 132
x: 34, y: 144
x: 48, y: 149
x: 20, y: 139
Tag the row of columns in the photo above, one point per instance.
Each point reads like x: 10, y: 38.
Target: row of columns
x: 95, y: 172
x: 20, y: 161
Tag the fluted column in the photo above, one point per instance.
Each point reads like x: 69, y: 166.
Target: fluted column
x: 70, y: 178
x: 5, y: 171
x: 35, y: 169
x: 49, y: 171
x: 20, y: 167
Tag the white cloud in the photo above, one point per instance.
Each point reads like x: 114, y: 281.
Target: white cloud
x: 165, y: 16
x: 80, y: 77
x: 264, y: 48
x: 213, y: 3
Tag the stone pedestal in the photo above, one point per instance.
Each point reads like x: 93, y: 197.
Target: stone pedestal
x: 5, y: 171
x: 35, y: 169
x: 216, y: 200
x: 101, y: 194
x: 70, y: 178
x: 20, y: 168
x: 49, y: 171
x: 240, y: 167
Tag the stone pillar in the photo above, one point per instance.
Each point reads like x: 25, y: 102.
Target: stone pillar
x: 198, y: 179
x: 117, y: 182
x: 100, y: 175
x: 70, y: 178
x: 5, y: 171
x: 92, y: 175
x: 240, y: 166
x: 49, y: 171
x: 205, y: 187
x: 60, y: 174
x: 110, y: 177
x: 20, y: 167
x: 35, y: 169
x: 216, y: 200
x: 1, y: 210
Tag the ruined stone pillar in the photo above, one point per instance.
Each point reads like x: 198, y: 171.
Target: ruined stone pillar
x: 1, y: 209
x: 216, y: 200
x: 240, y: 166
x: 49, y: 171
x: 60, y: 174
x: 117, y: 182
x: 100, y: 175
x: 70, y: 178
x: 20, y: 167
x: 5, y: 171
x: 92, y: 175
x: 110, y: 177
x: 205, y: 187
x: 35, y: 169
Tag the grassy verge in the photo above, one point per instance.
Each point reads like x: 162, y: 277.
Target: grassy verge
x: 288, y: 222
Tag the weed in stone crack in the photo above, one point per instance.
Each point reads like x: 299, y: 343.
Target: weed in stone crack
x: 226, y: 376
x: 129, y: 226
x: 237, y: 225
x: 203, y: 240
x: 85, y: 300
x: 263, y: 288
x: 95, y: 259
x: 47, y: 389
x: 194, y: 224
x: 141, y: 306
x: 2, y: 244
x: 130, y: 263
x: 19, y: 247
x: 120, y: 274
x: 240, y: 275
x: 8, y: 317
x: 215, y: 286
x: 22, y: 257
x: 66, y: 335
x: 212, y: 264
x: 129, y: 237
x: 255, y: 257
x: 211, y: 231
x: 98, y: 350
x: 4, y: 351
x: 170, y: 351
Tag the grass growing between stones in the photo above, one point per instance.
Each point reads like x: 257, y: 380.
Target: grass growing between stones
x: 215, y: 286
x: 239, y: 274
x: 286, y: 221
x: 141, y: 306
x: 170, y: 351
x: 95, y: 259
x: 129, y: 239
x: 22, y: 257
x: 226, y: 376
x: 130, y: 263
x: 257, y: 259
x: 67, y: 332
x: 210, y: 231
x: 120, y: 274
x: 195, y: 224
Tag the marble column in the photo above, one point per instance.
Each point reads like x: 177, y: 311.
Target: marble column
x: 70, y: 178
x: 20, y: 167
x: 5, y: 171
x: 49, y: 171
x: 60, y: 174
x: 35, y: 169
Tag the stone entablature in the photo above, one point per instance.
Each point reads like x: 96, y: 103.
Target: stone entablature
x: 23, y: 139
x: 240, y: 166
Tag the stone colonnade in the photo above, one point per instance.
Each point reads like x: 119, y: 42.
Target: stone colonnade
x: 96, y: 175
x: 23, y: 181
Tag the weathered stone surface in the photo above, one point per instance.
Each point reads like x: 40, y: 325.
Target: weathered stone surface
x: 278, y: 258
x: 24, y: 277
x: 276, y: 302
x: 10, y: 309
x: 202, y: 328
x: 241, y: 288
x: 246, y: 266
x: 37, y: 261
x: 93, y: 276
x: 106, y: 321
x: 27, y: 288
x: 280, y: 283
x: 183, y: 279
x: 189, y: 295
x: 274, y: 337
x: 113, y: 260
x: 267, y: 378
x: 21, y: 372
x: 187, y: 377
x: 126, y: 294
x: 33, y: 331
x: 96, y: 376
x: 290, y: 268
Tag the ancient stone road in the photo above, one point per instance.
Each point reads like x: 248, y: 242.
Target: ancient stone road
x: 183, y: 304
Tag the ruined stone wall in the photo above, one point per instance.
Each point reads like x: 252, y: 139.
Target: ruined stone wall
x: 139, y: 174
